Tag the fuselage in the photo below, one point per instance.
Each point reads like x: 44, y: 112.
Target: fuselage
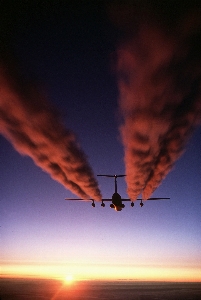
x: 116, y: 202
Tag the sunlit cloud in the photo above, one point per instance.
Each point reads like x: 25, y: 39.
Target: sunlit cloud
x: 159, y: 79
x: 34, y: 128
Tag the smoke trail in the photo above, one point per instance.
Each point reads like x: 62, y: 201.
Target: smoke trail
x: 159, y: 80
x: 34, y: 129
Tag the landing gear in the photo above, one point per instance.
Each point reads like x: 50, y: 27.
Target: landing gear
x: 132, y: 204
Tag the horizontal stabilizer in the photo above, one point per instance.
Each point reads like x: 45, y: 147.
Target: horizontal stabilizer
x: 115, y: 176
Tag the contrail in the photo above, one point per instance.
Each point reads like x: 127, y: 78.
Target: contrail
x: 159, y: 80
x: 34, y: 129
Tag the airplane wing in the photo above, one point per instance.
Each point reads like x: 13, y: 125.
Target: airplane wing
x: 140, y: 199
x: 79, y: 199
x: 113, y: 206
x: 153, y: 199
x: 107, y: 199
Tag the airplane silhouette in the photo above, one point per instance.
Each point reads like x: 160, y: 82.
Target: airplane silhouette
x: 116, y: 198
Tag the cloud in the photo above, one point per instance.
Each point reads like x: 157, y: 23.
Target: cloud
x: 33, y: 127
x: 159, y: 79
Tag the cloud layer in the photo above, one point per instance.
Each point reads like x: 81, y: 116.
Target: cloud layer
x: 159, y: 80
x: 33, y: 127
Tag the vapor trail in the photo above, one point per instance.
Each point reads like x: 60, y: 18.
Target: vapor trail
x: 34, y: 129
x: 159, y: 80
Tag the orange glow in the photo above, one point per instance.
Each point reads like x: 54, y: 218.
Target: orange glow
x: 103, y: 272
x: 69, y: 279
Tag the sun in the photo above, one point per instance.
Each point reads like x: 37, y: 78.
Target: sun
x: 69, y: 279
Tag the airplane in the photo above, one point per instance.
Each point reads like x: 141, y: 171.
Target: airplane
x: 116, y: 198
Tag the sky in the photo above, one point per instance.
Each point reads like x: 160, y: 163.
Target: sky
x: 90, y: 88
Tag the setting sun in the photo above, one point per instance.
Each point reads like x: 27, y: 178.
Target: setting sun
x: 69, y: 279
